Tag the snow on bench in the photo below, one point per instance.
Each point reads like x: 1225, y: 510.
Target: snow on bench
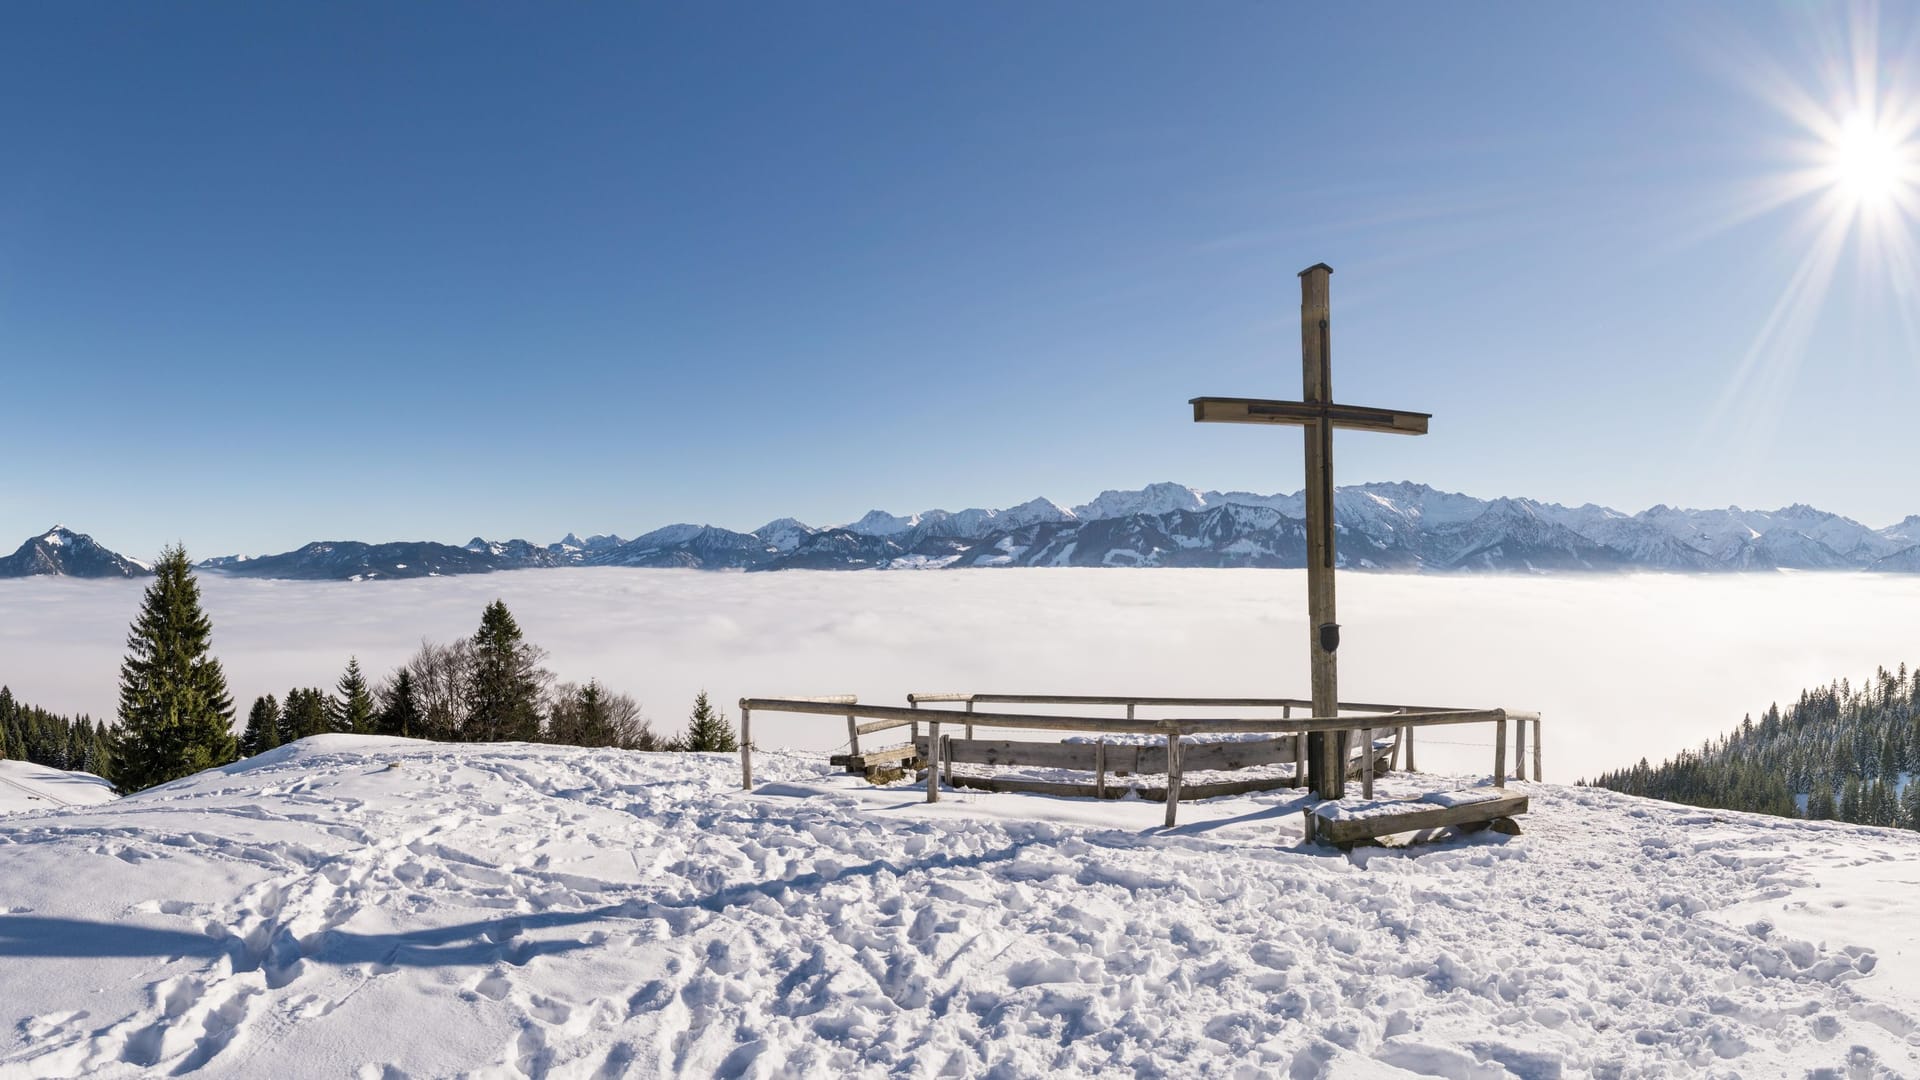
x: 1348, y: 822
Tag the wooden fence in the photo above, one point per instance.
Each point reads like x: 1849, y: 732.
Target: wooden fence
x: 1402, y: 719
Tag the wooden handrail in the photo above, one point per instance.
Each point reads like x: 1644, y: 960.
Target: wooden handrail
x: 1189, y: 725
x: 1198, y: 702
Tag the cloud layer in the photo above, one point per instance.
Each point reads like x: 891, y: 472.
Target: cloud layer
x: 1621, y: 667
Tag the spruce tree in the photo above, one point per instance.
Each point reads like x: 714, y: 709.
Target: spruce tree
x: 304, y: 714
x: 175, y: 714
x: 504, y: 686
x: 1820, y: 801
x: 353, y: 709
x: 399, y: 708
x: 263, y: 727
x: 707, y: 729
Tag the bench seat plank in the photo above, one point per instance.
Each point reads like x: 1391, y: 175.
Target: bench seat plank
x: 1344, y: 823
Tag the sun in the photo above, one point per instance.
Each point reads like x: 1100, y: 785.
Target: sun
x: 1869, y: 164
x: 1848, y: 178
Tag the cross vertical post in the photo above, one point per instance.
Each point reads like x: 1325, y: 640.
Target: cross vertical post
x: 1316, y: 412
x: 1326, y: 763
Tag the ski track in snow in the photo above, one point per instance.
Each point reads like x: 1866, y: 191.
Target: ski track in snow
x: 509, y: 911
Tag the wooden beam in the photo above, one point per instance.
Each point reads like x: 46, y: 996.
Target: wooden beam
x: 933, y: 762
x: 891, y: 755
x: 1173, y: 778
x: 1500, y: 752
x: 1415, y: 817
x: 746, y: 749
x: 1536, y: 750
x: 1366, y: 762
x: 1287, y: 704
x: 1324, y: 754
x: 1189, y: 792
x: 1087, y: 757
x: 1220, y: 410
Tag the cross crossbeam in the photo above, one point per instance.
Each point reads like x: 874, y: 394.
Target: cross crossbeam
x: 1234, y: 410
x: 1318, y: 415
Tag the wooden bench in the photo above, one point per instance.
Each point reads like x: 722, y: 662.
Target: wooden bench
x: 1344, y: 824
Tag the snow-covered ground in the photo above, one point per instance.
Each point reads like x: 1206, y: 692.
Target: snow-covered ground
x: 26, y: 786
x: 355, y: 906
x: 1620, y: 666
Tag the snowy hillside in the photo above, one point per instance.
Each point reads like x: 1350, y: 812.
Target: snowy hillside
x: 355, y: 906
x: 26, y: 786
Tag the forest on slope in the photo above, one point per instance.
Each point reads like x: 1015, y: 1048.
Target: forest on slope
x: 1840, y: 752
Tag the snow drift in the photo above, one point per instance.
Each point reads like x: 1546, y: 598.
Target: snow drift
x: 357, y: 906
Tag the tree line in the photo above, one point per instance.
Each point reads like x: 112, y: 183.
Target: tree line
x: 29, y: 733
x: 175, y: 715
x: 1841, y: 752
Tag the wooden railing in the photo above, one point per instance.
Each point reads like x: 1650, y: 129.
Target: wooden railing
x: 887, y: 717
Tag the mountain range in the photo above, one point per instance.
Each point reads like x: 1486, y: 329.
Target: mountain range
x: 1384, y: 526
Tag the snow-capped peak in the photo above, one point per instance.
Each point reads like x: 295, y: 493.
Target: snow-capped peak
x: 1161, y: 498
x: 881, y: 523
x: 784, y: 534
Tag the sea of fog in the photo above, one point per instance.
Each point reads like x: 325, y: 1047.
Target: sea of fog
x: 1620, y: 666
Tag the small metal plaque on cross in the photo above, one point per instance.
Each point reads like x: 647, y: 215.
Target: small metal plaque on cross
x: 1326, y: 758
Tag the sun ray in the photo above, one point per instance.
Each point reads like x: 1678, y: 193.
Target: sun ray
x: 1852, y: 168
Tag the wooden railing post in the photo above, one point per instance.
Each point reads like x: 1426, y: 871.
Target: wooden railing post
x: 946, y: 756
x: 913, y: 730
x: 933, y: 760
x: 853, y: 735
x: 1537, y: 776
x: 746, y: 748
x: 969, y: 726
x: 1500, y: 751
x: 1519, y: 749
x: 1366, y: 765
x: 1299, y: 750
x: 1173, y: 775
x: 1410, y: 765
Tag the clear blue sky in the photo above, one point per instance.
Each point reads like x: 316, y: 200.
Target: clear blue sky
x: 275, y: 272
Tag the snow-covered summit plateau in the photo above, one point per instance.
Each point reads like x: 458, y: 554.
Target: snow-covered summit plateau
x: 358, y: 906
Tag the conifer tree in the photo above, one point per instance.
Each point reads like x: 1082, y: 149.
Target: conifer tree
x: 399, y: 708
x: 175, y: 714
x: 304, y: 714
x: 707, y: 729
x: 353, y: 709
x: 1820, y: 802
x: 504, y: 686
x: 263, y: 727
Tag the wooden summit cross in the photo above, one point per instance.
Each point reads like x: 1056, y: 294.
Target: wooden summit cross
x: 1326, y: 758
